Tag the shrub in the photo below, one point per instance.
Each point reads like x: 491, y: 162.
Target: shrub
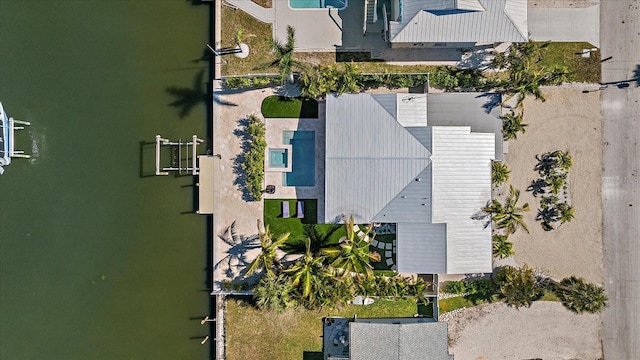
x: 502, y: 248
x: 238, y: 82
x: 519, y: 286
x: 443, y: 79
x: 264, y: 81
x: 455, y: 287
x: 579, y: 296
x: 253, y: 165
x: 499, y: 173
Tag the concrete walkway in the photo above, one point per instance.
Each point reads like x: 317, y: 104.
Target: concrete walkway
x: 263, y: 14
x: 565, y: 24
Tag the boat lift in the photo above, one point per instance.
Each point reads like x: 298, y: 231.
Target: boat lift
x: 176, y: 154
x: 7, y: 139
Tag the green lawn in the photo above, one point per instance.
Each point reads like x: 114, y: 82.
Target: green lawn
x: 293, y: 225
x: 265, y: 335
x: 446, y: 305
x: 580, y: 69
x: 276, y: 106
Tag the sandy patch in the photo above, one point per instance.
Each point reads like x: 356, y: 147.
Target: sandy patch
x: 546, y: 330
x: 568, y: 120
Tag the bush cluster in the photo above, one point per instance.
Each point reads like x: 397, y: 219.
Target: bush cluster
x: 241, y: 82
x: 253, y: 164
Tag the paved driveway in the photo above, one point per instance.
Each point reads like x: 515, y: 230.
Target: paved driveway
x: 620, y: 24
x: 565, y: 24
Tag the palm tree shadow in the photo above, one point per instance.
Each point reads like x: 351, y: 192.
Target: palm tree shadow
x: 187, y: 98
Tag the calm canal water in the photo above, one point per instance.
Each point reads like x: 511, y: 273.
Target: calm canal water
x: 97, y: 261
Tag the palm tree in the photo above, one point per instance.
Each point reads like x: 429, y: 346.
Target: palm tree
x: 566, y: 211
x: 273, y: 292
x: 547, y: 201
x: 563, y: 160
x: 267, y: 259
x: 512, y: 125
x: 499, y: 173
x: 308, y: 271
x: 352, y: 255
x: 556, y: 181
x: 283, y: 58
x: 502, y: 248
x: 319, y: 238
x: 519, y: 286
x: 508, y: 216
x: 579, y: 296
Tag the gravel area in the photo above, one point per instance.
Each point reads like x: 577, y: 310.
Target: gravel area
x: 568, y: 120
x: 546, y: 330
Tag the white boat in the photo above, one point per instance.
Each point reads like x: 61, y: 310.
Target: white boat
x: 7, y: 146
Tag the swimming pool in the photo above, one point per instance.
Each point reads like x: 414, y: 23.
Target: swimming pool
x: 318, y: 4
x: 303, y: 158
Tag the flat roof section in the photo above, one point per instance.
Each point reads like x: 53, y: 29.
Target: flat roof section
x: 207, y: 183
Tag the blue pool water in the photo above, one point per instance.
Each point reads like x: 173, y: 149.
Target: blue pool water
x: 303, y: 158
x: 318, y: 4
x: 278, y: 158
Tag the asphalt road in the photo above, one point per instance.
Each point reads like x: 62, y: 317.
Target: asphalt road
x: 620, y: 39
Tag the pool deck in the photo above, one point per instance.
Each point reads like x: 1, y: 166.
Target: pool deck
x: 275, y: 127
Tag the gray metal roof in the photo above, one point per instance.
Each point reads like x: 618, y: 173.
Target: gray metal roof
x: 478, y: 110
x: 384, y: 341
x: 461, y: 163
x: 370, y: 157
x: 422, y: 248
x: 429, y: 180
x: 430, y: 21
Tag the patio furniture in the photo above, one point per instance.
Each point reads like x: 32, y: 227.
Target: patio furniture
x: 300, y: 212
x: 285, y: 210
x: 271, y: 189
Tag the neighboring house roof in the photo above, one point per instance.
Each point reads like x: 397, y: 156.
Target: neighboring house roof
x: 461, y: 21
x: 429, y: 180
x: 397, y: 340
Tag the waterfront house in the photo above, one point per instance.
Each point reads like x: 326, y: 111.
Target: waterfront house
x: 388, y: 162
